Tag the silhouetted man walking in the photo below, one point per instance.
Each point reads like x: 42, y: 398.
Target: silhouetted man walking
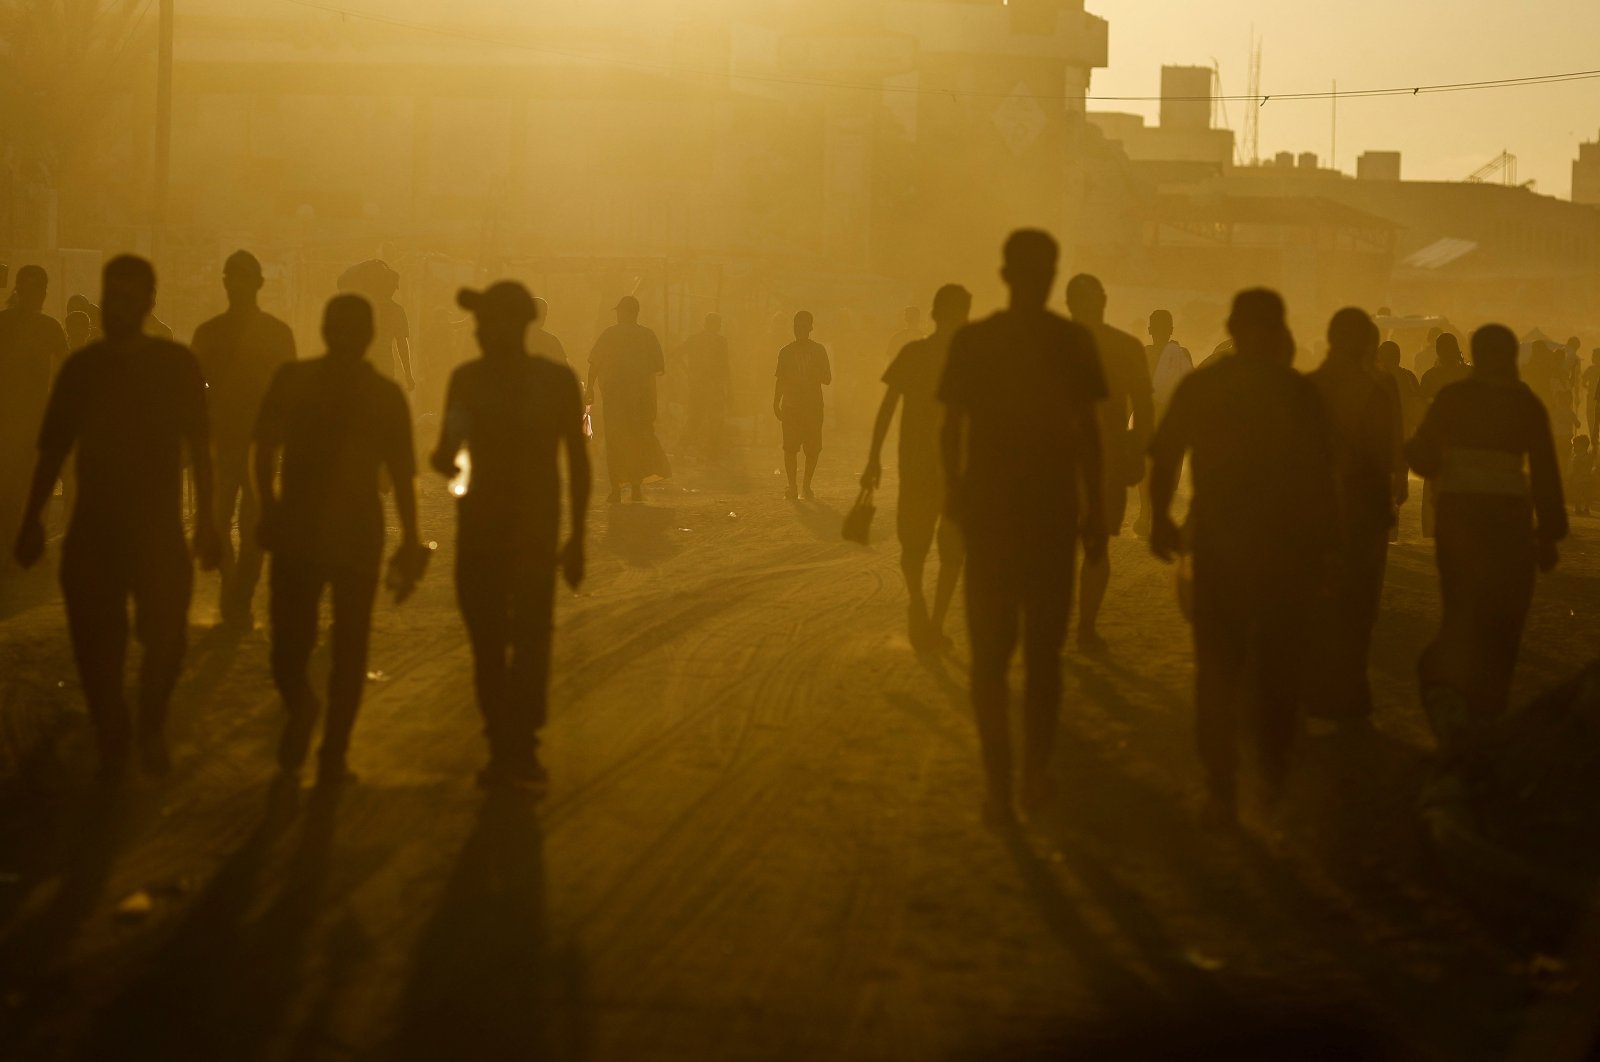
x: 377, y: 282
x: 1362, y: 406
x: 337, y: 422
x: 543, y: 343
x: 1022, y: 462
x: 239, y: 351
x: 710, y: 382
x: 803, y: 371
x: 1496, y: 524
x: 1264, y: 525
x: 1448, y: 368
x: 1168, y: 363
x: 32, y: 346
x: 1126, y: 421
x: 130, y: 405
x: 914, y: 376
x: 513, y: 413
x: 622, y: 370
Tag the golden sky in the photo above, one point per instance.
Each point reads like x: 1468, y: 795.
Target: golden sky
x: 1377, y: 43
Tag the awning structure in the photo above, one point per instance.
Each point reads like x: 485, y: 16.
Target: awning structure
x: 1440, y: 253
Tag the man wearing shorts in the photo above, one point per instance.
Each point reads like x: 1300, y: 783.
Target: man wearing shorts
x: 803, y: 371
x: 914, y: 375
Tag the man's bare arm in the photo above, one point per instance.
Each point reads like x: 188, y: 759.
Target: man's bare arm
x: 952, y: 452
x: 880, y: 431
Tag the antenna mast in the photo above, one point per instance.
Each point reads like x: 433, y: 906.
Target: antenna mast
x: 1252, y: 129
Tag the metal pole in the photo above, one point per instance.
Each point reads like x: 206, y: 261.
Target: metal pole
x: 163, y: 159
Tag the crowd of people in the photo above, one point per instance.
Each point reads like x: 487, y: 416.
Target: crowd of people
x: 1022, y: 436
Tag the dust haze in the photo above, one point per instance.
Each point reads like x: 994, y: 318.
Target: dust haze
x: 870, y: 529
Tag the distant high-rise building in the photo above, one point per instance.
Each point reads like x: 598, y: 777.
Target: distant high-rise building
x: 1186, y: 97
x: 1586, y: 174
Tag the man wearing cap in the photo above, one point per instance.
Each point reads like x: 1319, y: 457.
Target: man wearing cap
x: 622, y: 371
x: 239, y: 351
x: 512, y: 413
x: 337, y: 423
x: 32, y: 345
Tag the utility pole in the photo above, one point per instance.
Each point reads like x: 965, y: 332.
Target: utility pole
x: 163, y: 152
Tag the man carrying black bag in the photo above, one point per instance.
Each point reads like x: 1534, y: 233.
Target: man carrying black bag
x: 915, y: 376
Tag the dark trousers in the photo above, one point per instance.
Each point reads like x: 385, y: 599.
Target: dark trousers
x: 1249, y: 638
x: 1015, y: 592
x: 240, y: 567
x: 97, y: 582
x: 507, y: 601
x: 1488, y: 565
x: 1342, y: 630
x: 297, y: 586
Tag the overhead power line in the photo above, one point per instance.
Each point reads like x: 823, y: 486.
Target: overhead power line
x: 1259, y: 98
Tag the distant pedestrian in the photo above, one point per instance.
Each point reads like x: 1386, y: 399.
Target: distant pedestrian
x: 1448, y: 367
x: 710, y: 379
x: 623, y: 368
x: 541, y: 342
x: 1168, y: 362
x: 803, y: 371
x: 1362, y: 408
x: 32, y: 348
x: 239, y: 352
x: 1581, y: 476
x: 1126, y: 421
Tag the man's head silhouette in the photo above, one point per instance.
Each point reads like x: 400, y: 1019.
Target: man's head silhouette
x: 1029, y: 267
x: 1259, y: 326
x: 1352, y: 335
x: 803, y: 324
x: 347, y: 327
x: 1389, y: 355
x: 503, y: 310
x: 952, y: 307
x: 1161, y: 327
x: 241, y: 278
x: 627, y: 310
x: 78, y: 328
x: 1086, y: 299
x: 1448, y: 348
x: 127, y: 295
x: 1494, y: 352
x: 31, y: 287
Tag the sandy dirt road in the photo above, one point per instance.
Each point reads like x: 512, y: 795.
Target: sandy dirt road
x: 762, y: 839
